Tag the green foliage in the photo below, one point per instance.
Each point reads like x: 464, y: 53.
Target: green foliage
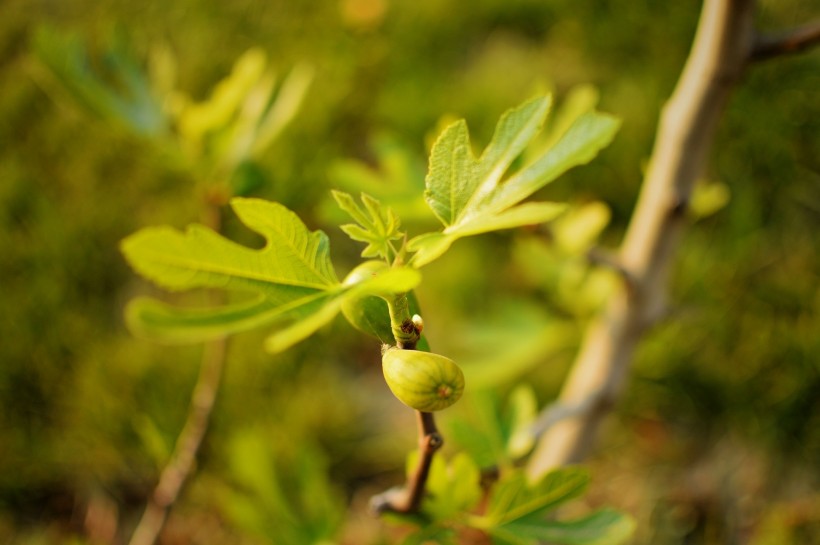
x: 565, y: 266
x: 292, y: 277
x: 295, y: 283
x: 469, y: 196
x: 292, y: 506
x: 737, y: 358
x: 119, y: 91
x: 220, y: 139
x: 517, y: 510
x: 452, y: 488
x: 377, y: 226
x: 494, y: 435
x: 397, y: 179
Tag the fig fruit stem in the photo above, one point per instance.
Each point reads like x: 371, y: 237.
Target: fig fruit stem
x: 408, y: 499
x: 401, y: 323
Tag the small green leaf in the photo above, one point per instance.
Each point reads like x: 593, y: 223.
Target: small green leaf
x: 471, y: 196
x: 451, y: 488
x: 518, y: 509
x: 605, y: 527
x: 578, y: 230
x: 708, y: 198
x: 494, y: 435
x: 377, y: 225
x: 522, y: 411
x: 514, y: 498
x: 432, y: 534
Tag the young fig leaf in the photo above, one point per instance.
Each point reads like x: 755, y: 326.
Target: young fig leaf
x: 472, y: 196
x: 291, y: 278
x: 377, y: 225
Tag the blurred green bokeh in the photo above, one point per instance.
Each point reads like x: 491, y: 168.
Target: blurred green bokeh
x: 718, y: 438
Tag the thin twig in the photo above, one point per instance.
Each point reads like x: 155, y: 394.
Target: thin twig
x: 767, y: 46
x: 408, y: 499
x: 182, y: 460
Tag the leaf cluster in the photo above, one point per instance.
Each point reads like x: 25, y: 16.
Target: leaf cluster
x: 219, y: 139
x: 515, y: 511
x: 292, y: 280
x: 290, y: 285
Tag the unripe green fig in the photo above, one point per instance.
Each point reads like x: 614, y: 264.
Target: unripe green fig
x: 424, y: 381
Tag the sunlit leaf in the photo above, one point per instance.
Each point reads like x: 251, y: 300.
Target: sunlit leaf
x: 472, y: 196
x: 215, y: 112
x: 376, y: 225
x: 291, y: 277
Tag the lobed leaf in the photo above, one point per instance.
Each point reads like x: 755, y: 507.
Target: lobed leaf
x: 517, y: 513
x: 377, y: 225
x: 471, y: 196
x: 292, y: 278
x: 605, y: 527
x: 514, y: 498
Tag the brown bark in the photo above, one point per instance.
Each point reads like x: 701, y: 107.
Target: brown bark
x: 721, y: 50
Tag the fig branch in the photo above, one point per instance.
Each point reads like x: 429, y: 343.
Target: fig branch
x: 407, y: 499
x: 405, y: 331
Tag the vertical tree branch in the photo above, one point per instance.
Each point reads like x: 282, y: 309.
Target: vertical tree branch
x: 688, y: 122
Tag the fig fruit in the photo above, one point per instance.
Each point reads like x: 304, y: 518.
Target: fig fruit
x: 424, y: 381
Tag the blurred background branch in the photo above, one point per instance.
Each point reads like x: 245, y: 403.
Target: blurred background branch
x: 722, y: 48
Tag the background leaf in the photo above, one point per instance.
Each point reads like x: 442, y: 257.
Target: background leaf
x: 518, y: 509
x: 377, y: 225
x: 514, y: 498
x: 452, y: 488
x: 605, y: 527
